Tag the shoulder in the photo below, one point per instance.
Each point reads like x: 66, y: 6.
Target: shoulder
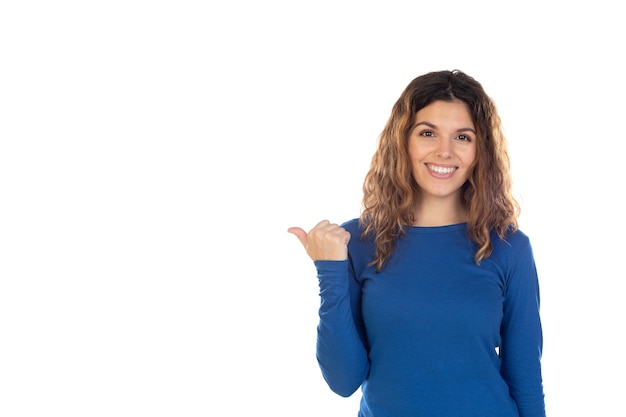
x: 353, y: 226
x: 512, y: 252
x: 512, y: 241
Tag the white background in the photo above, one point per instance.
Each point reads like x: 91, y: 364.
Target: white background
x: 153, y: 155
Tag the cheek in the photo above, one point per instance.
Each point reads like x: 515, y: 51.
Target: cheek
x: 471, y: 164
x: 469, y: 156
x: 472, y: 158
x: 416, y: 152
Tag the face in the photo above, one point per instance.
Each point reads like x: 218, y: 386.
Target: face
x: 442, y: 148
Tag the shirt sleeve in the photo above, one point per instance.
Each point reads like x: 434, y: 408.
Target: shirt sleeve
x: 522, y: 339
x: 341, y: 350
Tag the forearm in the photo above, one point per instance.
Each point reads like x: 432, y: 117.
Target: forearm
x: 341, y: 352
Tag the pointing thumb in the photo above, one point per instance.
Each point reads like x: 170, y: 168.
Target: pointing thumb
x: 300, y: 234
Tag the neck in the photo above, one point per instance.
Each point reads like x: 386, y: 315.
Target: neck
x: 439, y: 213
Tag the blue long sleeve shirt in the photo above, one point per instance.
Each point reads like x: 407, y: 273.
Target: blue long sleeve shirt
x: 433, y: 333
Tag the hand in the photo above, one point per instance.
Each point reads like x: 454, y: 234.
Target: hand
x: 325, y: 242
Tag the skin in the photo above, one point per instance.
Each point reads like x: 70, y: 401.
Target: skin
x: 442, y: 150
x: 326, y: 241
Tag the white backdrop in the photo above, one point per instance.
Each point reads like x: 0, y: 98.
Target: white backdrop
x: 153, y: 155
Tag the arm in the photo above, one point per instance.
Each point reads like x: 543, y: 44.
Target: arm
x: 341, y: 351
x: 522, y: 339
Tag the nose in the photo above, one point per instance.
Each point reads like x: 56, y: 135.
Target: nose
x: 444, y: 148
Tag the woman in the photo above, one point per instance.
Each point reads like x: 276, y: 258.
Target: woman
x: 430, y: 299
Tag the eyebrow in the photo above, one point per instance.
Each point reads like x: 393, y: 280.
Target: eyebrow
x: 432, y: 126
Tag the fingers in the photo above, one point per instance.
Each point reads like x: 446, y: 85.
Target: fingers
x: 326, y: 241
x: 329, y: 232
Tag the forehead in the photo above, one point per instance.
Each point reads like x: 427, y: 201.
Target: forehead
x: 455, y: 111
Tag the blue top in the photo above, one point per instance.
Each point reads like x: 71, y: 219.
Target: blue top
x: 433, y: 334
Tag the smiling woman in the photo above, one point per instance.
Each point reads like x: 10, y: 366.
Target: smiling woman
x: 430, y: 299
x: 442, y: 150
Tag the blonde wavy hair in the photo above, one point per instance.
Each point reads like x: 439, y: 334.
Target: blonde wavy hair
x: 390, y: 191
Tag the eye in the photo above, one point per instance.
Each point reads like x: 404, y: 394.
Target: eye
x: 464, y: 138
x: 427, y: 133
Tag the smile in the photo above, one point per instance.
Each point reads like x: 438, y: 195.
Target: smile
x: 441, y: 170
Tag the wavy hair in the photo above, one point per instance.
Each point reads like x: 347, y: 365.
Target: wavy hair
x: 390, y: 191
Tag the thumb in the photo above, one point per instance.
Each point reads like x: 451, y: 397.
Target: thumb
x: 300, y: 234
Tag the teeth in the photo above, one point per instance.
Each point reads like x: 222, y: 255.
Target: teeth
x: 441, y: 170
